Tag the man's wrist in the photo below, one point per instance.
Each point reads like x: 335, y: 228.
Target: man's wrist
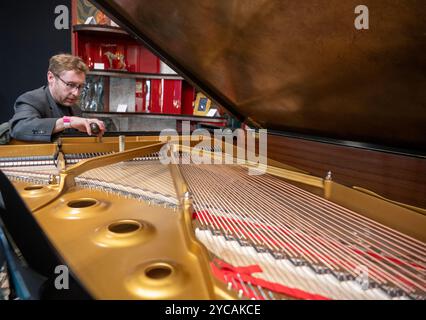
x: 67, y: 122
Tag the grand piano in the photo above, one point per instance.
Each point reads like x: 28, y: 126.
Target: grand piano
x: 339, y: 209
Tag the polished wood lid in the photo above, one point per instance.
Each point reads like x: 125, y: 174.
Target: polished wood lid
x: 297, y: 66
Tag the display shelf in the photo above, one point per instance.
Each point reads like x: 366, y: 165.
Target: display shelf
x: 123, y: 73
x: 137, y: 75
x: 98, y: 29
x: 180, y: 117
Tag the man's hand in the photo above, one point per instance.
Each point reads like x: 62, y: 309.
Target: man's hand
x: 83, y: 125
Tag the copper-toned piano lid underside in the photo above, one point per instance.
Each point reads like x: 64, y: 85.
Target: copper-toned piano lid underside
x: 297, y: 66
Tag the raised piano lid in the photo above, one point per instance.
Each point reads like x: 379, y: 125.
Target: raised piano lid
x: 297, y: 66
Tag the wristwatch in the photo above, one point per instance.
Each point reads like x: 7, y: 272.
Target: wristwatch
x: 67, y: 122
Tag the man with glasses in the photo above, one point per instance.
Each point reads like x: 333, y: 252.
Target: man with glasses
x: 42, y: 113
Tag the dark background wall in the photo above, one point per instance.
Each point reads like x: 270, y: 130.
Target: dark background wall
x: 28, y: 38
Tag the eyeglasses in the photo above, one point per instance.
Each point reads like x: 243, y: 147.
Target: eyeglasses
x: 71, y: 86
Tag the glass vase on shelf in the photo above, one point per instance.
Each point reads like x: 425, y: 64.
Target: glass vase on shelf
x: 92, y: 95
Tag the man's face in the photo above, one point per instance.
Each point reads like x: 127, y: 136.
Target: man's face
x: 66, y: 87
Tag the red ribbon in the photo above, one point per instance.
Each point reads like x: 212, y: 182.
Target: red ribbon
x: 239, y: 276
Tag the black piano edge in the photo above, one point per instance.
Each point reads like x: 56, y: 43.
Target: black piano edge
x: 417, y: 153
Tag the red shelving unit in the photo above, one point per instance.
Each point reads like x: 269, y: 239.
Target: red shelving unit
x: 111, y: 52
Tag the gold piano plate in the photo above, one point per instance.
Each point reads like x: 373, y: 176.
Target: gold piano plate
x: 91, y: 242
x: 130, y: 227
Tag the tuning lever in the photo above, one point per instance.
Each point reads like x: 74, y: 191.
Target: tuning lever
x: 95, y: 128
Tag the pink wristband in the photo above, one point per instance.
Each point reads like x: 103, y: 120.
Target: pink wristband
x: 67, y: 122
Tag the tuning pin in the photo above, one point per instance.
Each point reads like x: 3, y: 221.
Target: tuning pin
x: 229, y: 285
x: 240, y: 293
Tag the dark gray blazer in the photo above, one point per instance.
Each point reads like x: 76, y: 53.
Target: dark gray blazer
x: 35, y: 116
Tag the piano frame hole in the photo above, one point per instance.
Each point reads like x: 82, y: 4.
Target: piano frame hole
x: 34, y: 187
x: 81, y: 203
x: 126, y: 226
x: 158, y: 271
